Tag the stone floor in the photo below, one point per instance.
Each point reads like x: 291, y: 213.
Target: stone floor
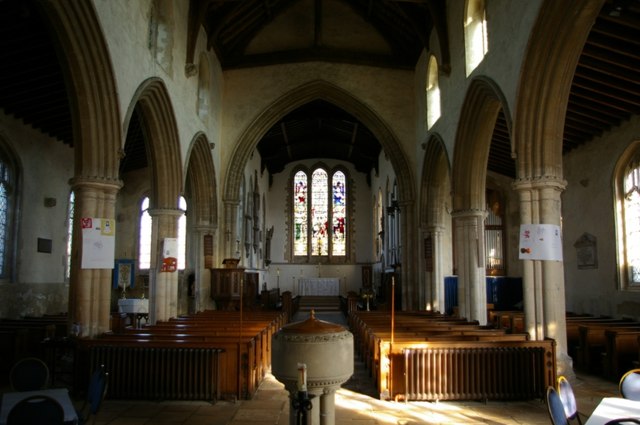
x: 355, y: 405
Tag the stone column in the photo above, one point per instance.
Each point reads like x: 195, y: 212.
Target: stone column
x: 230, y: 228
x: 437, y: 275
x: 202, y: 285
x: 543, y: 283
x: 163, y: 287
x: 328, y: 405
x: 90, y: 289
x: 469, y: 237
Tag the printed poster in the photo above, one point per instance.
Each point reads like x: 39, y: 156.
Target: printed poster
x: 98, y: 243
x: 169, y: 255
x: 540, y: 242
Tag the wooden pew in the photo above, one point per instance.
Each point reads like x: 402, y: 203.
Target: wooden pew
x: 592, y: 343
x: 622, y: 348
x: 187, y: 352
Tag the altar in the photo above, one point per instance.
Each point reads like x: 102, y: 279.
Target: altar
x: 319, y: 286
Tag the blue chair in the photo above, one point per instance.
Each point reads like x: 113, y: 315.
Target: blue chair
x: 555, y: 407
x: 29, y: 374
x: 95, y: 395
x: 568, y: 398
x: 630, y: 385
x: 37, y: 409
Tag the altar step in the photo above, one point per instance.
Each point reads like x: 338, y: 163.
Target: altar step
x: 319, y: 303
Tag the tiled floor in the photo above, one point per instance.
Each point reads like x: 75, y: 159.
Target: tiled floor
x: 355, y: 405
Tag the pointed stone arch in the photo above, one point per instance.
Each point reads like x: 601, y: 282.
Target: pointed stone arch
x: 547, y: 73
x: 545, y: 82
x: 435, y: 192
x: 435, y: 185
x: 97, y: 134
x: 163, y: 145
x: 326, y: 91
x: 482, y: 104
x: 304, y: 94
x: 201, y: 180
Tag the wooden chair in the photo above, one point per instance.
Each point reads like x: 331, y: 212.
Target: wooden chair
x: 29, y: 374
x: 37, y: 409
x: 555, y: 407
x: 630, y: 385
x: 568, y: 398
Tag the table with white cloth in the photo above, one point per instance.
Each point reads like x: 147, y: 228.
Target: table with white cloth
x: 319, y: 286
x: 61, y: 395
x: 611, y: 408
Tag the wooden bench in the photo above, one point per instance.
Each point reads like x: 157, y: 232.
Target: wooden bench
x: 622, y: 349
x: 592, y: 343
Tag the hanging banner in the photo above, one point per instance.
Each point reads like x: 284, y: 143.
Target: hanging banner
x: 540, y: 242
x: 98, y: 243
x: 169, y: 255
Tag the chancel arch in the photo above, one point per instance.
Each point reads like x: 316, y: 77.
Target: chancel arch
x: 337, y: 96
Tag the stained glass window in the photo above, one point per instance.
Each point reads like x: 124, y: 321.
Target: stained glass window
x: 319, y: 213
x: 300, y: 213
x: 4, y: 214
x: 339, y: 214
x: 632, y: 222
x: 70, y: 210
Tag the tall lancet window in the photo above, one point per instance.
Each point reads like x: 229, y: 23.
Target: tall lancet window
x: 320, y: 215
x: 300, y: 213
x: 631, y: 219
x: 339, y: 214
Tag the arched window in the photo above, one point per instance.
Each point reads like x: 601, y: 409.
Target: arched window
x: 433, y: 92
x: 182, y: 235
x: 144, y: 240
x: 70, y: 210
x: 628, y: 217
x: 144, y: 237
x: 319, y: 214
x: 7, y: 210
x: 476, y: 43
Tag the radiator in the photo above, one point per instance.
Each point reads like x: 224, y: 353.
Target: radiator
x: 491, y: 373
x: 153, y: 373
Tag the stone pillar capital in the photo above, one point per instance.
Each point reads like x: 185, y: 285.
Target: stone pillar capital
x: 539, y: 183
x: 95, y: 183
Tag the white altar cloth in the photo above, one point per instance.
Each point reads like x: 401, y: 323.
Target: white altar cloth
x: 319, y: 286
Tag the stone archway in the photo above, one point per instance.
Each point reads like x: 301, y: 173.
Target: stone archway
x: 163, y: 147
x: 435, y: 191
x: 201, y: 188
x: 97, y: 136
x: 482, y: 105
x: 548, y: 68
x: 341, y: 98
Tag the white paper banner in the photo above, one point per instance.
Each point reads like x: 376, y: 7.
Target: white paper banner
x: 540, y: 242
x: 98, y: 243
x: 169, y: 255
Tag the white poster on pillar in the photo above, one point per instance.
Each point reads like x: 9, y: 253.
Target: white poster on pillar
x: 98, y: 243
x: 540, y: 242
x: 169, y: 255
